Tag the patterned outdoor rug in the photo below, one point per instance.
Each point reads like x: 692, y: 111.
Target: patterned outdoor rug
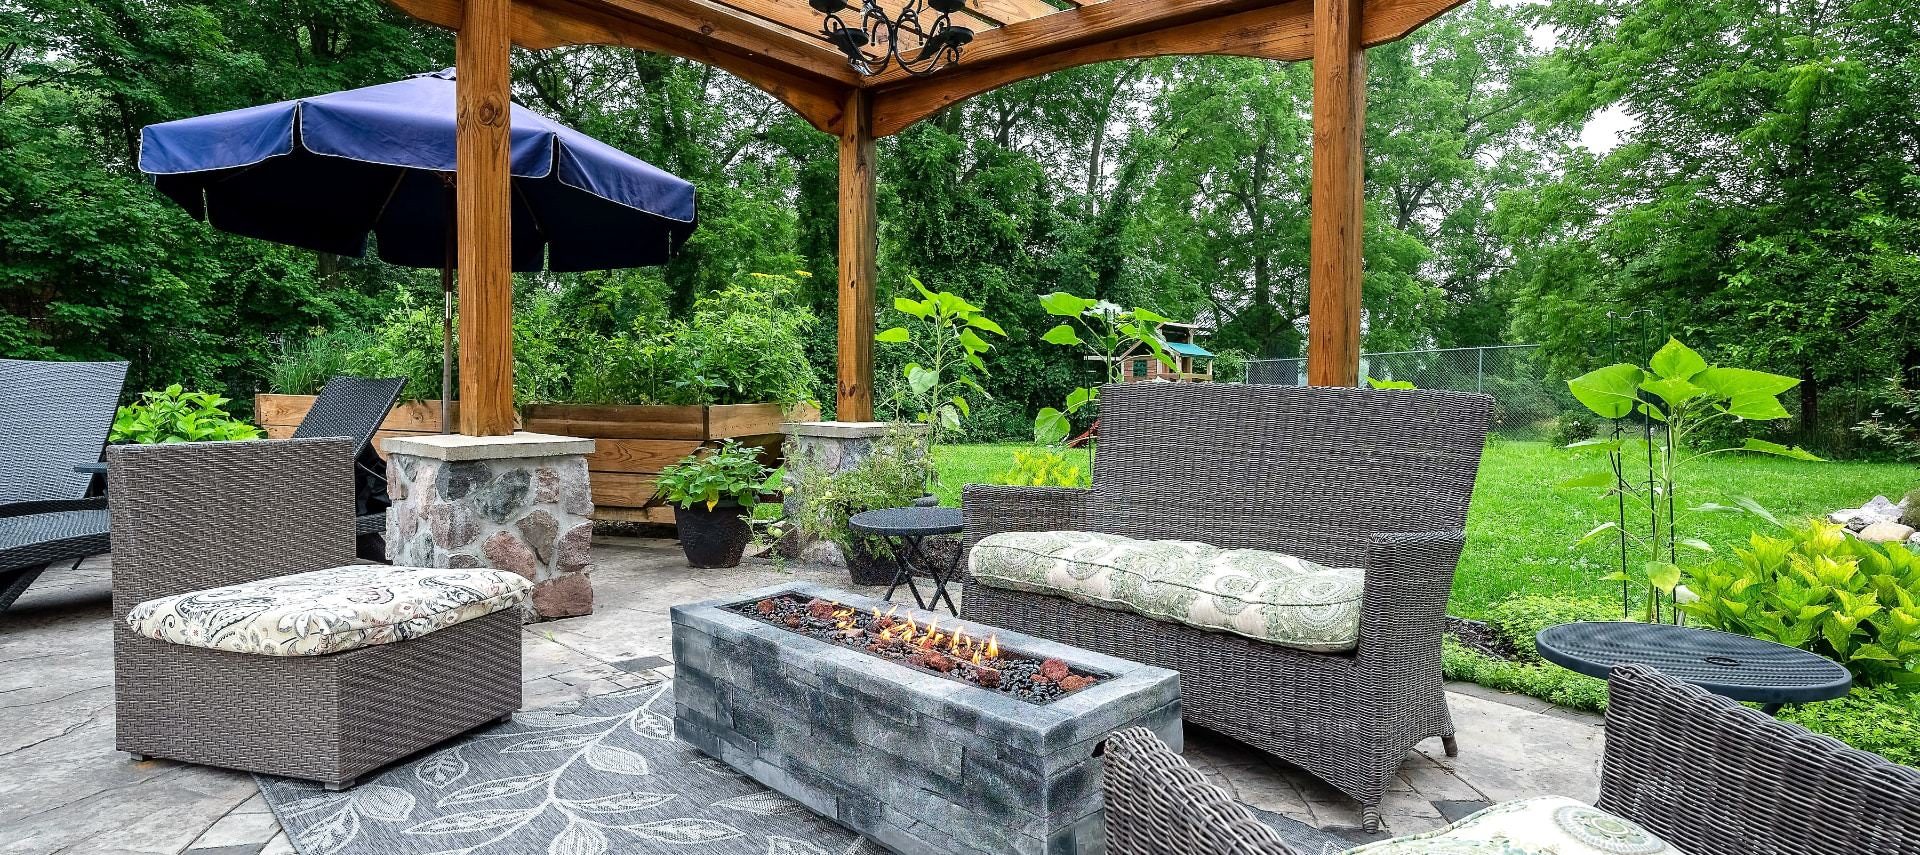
x: 603, y: 776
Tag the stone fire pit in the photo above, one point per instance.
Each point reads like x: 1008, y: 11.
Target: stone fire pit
x: 921, y: 760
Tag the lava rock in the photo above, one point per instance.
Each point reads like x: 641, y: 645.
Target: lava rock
x: 1054, y: 670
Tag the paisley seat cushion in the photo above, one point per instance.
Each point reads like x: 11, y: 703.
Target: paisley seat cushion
x: 328, y: 611
x: 1263, y: 595
x: 1548, y: 825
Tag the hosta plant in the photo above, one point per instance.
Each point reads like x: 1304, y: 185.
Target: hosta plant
x: 174, y: 414
x: 729, y: 472
x: 1818, y: 589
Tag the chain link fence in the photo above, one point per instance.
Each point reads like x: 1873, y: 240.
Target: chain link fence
x: 1526, y: 401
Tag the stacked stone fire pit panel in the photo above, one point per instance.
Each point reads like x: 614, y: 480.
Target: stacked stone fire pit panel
x: 918, y: 762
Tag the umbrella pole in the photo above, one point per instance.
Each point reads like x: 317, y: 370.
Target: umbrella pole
x: 446, y: 319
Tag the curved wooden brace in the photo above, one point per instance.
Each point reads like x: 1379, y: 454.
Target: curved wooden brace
x: 541, y: 24
x: 1281, y: 32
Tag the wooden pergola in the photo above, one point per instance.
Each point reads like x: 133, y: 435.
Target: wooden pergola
x: 778, y: 46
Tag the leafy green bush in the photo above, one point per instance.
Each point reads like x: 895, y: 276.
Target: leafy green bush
x: 1820, y: 590
x: 1547, y: 682
x: 1894, y: 424
x: 306, y: 364
x: 744, y: 344
x: 176, y: 415
x: 1046, y: 467
x: 1519, y: 619
x: 894, y: 475
x: 406, y: 344
x: 731, y: 472
x: 1882, y: 719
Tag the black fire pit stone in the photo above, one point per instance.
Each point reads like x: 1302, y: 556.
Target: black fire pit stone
x: 917, y: 762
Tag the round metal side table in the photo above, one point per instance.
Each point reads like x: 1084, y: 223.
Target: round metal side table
x: 1735, y: 666
x: 908, y: 528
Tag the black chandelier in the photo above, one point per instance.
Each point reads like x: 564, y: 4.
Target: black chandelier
x: 872, y: 42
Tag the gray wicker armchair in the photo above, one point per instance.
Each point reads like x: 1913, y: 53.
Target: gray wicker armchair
x: 188, y: 517
x: 1378, y: 479
x: 1707, y: 775
x: 53, y: 417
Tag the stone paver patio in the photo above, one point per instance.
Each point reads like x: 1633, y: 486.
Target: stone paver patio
x: 63, y: 789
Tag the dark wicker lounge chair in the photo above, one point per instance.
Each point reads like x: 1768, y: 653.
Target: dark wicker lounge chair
x: 1378, y: 479
x: 1707, y: 775
x: 53, y: 416
x: 203, y: 515
x: 354, y: 407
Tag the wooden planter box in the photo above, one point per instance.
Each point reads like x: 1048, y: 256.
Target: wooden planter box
x: 633, y: 443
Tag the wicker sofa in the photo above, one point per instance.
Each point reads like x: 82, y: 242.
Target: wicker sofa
x: 190, y: 517
x: 1705, y: 774
x: 1376, y: 479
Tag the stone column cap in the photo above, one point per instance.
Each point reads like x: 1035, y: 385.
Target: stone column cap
x: 455, y: 447
x: 846, y: 430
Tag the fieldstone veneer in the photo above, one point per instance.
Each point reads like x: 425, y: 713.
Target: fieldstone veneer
x: 520, y: 503
x: 919, y: 763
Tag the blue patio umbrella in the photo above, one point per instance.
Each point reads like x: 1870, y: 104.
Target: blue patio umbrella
x: 325, y: 172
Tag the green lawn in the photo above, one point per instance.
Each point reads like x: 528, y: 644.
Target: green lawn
x: 1521, y: 529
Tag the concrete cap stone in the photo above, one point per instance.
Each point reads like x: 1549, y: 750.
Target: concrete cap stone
x: 845, y: 430
x: 458, y: 447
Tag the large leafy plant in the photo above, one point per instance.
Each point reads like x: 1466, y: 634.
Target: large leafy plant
x: 730, y: 472
x: 174, y: 414
x: 1110, y: 331
x: 1820, y: 590
x: 948, y: 352
x: 1676, y: 395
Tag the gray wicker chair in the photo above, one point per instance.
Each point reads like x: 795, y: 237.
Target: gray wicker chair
x: 193, y: 516
x: 53, y: 416
x: 1706, y: 774
x: 354, y: 407
x: 1378, y: 479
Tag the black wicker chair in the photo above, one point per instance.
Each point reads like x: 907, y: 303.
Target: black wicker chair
x: 54, y: 416
x: 1707, y: 775
x: 354, y: 407
x: 1378, y: 479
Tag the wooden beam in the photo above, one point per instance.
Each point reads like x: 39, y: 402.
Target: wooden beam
x: 541, y: 24
x: 1339, y: 170
x: 484, y: 196
x: 1281, y: 31
x: 859, y: 267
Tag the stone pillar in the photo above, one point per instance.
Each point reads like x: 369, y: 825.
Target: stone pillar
x: 520, y: 503
x: 833, y: 446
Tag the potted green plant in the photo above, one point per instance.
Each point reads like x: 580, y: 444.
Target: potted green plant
x: 893, y: 475
x: 713, y: 494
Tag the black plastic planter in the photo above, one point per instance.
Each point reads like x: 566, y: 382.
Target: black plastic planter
x: 714, y: 538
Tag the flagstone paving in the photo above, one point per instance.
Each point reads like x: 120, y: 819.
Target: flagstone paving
x: 63, y: 788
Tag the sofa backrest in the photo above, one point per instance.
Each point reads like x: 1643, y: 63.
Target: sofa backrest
x: 1311, y: 471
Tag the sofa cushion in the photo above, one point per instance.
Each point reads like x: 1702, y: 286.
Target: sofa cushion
x: 1263, y: 595
x: 328, y: 611
x: 1548, y: 825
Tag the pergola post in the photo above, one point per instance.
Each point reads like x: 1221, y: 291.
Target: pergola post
x: 484, y: 201
x: 1339, y: 170
x: 859, y: 254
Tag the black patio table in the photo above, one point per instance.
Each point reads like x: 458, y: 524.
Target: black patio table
x: 1734, y: 666
x: 909, y: 527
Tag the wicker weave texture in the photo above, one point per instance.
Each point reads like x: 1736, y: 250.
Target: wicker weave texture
x: 1158, y: 805
x: 53, y: 416
x: 1704, y: 773
x: 1333, y: 475
x: 1713, y: 777
x: 194, y: 516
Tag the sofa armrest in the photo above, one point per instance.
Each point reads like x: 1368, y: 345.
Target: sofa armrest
x: 1713, y: 777
x: 989, y: 510
x: 1403, y: 610
x: 1158, y: 805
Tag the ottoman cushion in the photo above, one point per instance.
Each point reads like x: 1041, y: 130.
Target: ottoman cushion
x: 328, y: 611
x: 1258, y: 594
x: 1547, y: 825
